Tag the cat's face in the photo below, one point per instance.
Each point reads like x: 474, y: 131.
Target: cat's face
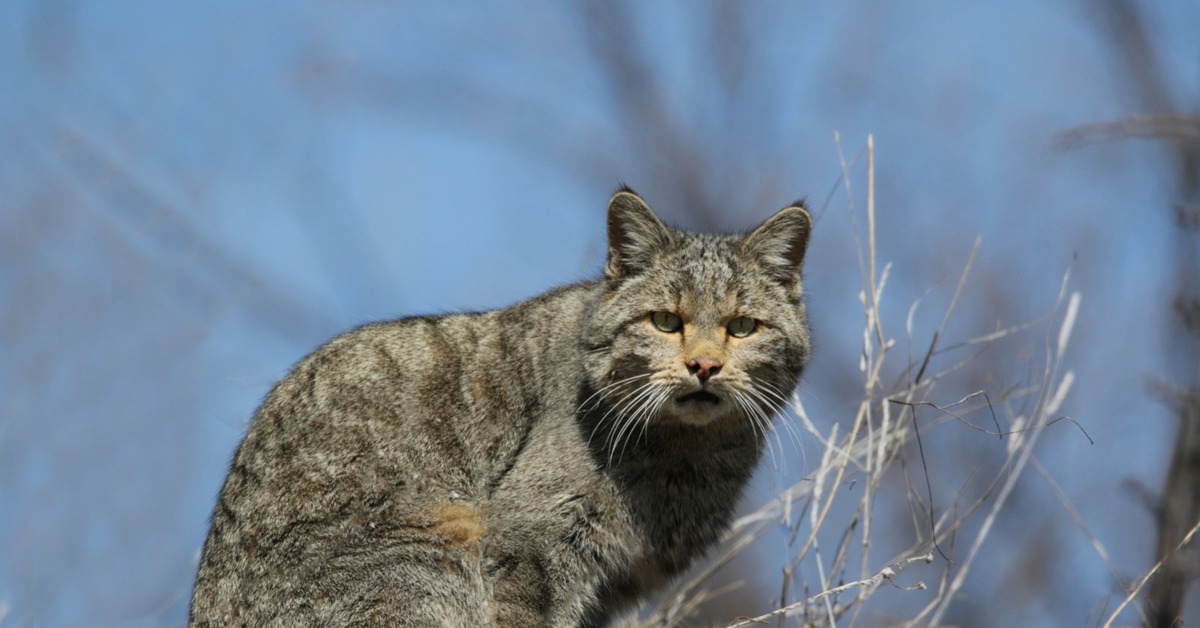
x: 697, y: 328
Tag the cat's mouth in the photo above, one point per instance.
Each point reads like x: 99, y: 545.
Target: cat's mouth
x: 700, y: 396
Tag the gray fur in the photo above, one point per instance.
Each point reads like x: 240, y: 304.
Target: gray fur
x: 526, y: 466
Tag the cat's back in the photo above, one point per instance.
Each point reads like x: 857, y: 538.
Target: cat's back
x: 457, y: 368
x: 383, y: 438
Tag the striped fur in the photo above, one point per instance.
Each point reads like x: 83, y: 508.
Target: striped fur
x: 534, y: 465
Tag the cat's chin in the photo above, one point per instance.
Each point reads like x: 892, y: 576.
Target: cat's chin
x: 699, y: 419
x: 697, y: 412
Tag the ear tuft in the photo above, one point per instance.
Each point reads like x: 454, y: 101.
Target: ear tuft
x: 781, y: 241
x: 635, y: 234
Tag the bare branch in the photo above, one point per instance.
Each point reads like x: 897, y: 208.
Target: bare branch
x: 1158, y: 127
x: 869, y: 584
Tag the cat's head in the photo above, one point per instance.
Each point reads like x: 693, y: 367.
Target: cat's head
x: 697, y: 328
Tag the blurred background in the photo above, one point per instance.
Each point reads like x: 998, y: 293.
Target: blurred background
x: 195, y: 195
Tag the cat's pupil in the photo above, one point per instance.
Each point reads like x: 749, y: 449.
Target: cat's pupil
x: 666, y: 321
x: 742, y: 326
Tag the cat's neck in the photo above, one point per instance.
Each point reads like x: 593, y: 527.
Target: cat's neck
x: 549, y: 327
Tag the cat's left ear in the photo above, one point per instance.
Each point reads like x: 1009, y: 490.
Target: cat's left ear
x: 780, y: 242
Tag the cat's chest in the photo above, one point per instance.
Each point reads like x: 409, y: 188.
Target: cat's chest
x: 654, y: 512
x: 682, y: 505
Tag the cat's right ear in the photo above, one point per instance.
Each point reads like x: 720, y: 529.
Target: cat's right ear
x: 635, y: 235
x: 780, y: 242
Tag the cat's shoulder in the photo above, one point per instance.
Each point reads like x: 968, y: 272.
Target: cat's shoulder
x: 412, y: 340
x: 433, y: 335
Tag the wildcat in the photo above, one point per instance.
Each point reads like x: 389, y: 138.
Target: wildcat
x: 550, y: 463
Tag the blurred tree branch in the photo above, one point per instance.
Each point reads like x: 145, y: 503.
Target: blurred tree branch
x: 1169, y: 127
x: 668, y: 154
x: 1125, y: 26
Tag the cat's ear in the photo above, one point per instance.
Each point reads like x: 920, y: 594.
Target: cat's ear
x: 635, y: 235
x: 780, y: 242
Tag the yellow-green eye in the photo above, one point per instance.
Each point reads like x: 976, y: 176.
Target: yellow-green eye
x: 666, y: 321
x: 741, y: 326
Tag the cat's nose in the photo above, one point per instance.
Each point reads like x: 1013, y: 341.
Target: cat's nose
x: 703, y: 368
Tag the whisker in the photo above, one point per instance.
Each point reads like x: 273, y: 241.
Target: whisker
x: 603, y: 391
x: 643, y: 416
x: 622, y: 421
x: 759, y: 394
x: 627, y: 402
x: 787, y: 415
x: 752, y: 415
x: 656, y: 404
x: 770, y: 389
x: 762, y: 413
x: 770, y: 395
x: 617, y: 407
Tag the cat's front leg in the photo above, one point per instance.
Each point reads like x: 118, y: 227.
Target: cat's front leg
x: 550, y: 575
x: 524, y: 593
x: 593, y: 552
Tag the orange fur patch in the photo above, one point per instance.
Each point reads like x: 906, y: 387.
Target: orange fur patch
x: 460, y: 525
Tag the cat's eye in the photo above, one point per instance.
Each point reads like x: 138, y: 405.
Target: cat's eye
x: 741, y: 326
x: 666, y: 321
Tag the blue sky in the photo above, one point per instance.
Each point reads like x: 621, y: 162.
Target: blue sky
x: 194, y: 196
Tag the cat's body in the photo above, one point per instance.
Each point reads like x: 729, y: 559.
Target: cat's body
x: 544, y: 464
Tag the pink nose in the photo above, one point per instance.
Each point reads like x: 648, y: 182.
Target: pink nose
x: 703, y: 368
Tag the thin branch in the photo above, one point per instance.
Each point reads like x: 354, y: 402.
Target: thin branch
x: 1187, y: 538
x: 870, y: 584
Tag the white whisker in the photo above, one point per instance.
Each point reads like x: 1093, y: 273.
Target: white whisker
x: 770, y: 389
x: 766, y: 412
x: 622, y: 423
x: 755, y: 424
x: 657, y: 404
x: 617, y: 406
x: 604, y: 390
x: 759, y: 393
x: 781, y: 413
x: 643, y: 415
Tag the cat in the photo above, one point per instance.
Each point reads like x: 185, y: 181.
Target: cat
x: 551, y: 463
